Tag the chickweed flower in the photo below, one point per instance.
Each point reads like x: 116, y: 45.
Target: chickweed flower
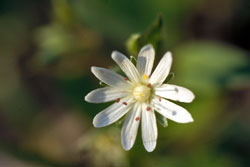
x: 138, y: 96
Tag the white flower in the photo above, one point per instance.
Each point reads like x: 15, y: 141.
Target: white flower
x: 139, y: 95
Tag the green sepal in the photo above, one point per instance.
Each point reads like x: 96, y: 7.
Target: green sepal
x: 169, y: 78
x: 132, y: 44
x: 102, y: 84
x: 120, y: 121
x: 133, y: 60
x: 161, y: 120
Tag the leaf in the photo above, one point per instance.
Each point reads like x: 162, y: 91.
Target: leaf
x: 153, y: 35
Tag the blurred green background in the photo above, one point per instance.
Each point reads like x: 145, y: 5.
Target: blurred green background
x: 48, y: 46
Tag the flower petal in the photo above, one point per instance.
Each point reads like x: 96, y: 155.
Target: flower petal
x: 174, y: 92
x: 162, y: 70
x: 109, y: 77
x: 112, y: 113
x: 130, y: 127
x: 149, y: 129
x: 171, y: 110
x: 106, y: 94
x: 145, y: 60
x: 126, y: 65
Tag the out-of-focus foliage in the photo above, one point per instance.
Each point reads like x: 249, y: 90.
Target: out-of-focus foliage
x: 48, y: 46
x: 215, y: 65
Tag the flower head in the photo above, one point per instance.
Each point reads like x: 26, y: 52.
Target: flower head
x: 139, y: 95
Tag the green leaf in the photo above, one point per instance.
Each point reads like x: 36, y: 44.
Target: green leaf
x: 153, y: 35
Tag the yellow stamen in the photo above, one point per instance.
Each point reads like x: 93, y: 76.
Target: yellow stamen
x: 145, y: 76
x: 141, y: 93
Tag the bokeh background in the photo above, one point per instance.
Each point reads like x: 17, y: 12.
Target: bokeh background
x: 48, y: 46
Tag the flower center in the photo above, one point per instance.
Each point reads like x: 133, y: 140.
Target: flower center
x: 142, y: 92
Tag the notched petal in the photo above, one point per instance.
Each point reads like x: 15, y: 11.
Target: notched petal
x: 162, y: 70
x: 126, y: 65
x: 172, y: 111
x: 111, y: 114
x: 176, y: 93
x: 102, y: 95
x: 130, y: 127
x: 145, y: 60
x: 149, y: 129
x: 109, y: 77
